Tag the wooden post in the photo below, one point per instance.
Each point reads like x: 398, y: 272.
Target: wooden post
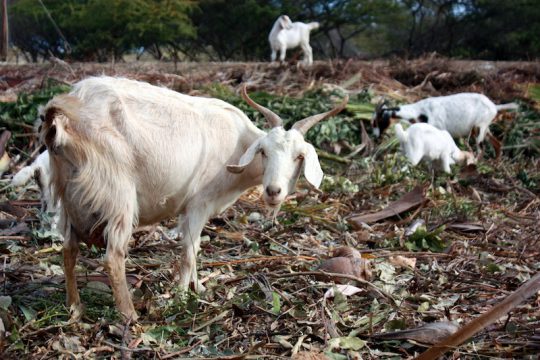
x: 5, y: 36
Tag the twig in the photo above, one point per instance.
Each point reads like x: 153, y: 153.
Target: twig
x: 328, y: 156
x: 120, y: 347
x: 336, y: 275
x: 183, y: 351
x: 260, y: 259
x: 9, y: 237
x: 96, y: 350
x: 211, y: 321
x: 419, y: 254
x: 280, y: 245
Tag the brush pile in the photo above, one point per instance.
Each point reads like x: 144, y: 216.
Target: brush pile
x: 429, y: 256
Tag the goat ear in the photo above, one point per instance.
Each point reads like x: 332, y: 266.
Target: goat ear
x: 312, y: 167
x: 285, y: 22
x: 246, y: 158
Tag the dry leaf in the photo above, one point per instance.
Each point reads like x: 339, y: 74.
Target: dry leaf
x: 362, y: 235
x: 347, y: 251
x: 346, y: 290
x: 408, y: 201
x: 430, y: 333
x: 452, y: 341
x: 349, y: 266
x: 465, y: 227
x: 309, y: 355
x: 402, y: 261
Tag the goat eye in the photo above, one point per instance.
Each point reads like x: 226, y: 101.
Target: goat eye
x: 300, y: 157
x: 263, y: 153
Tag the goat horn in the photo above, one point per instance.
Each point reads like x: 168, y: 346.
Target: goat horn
x: 304, y: 125
x: 273, y: 119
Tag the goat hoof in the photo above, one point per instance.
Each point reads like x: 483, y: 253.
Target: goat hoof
x: 131, y: 316
x: 76, y: 312
x: 199, y: 287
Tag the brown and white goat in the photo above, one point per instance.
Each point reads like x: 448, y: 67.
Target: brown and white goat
x: 126, y: 153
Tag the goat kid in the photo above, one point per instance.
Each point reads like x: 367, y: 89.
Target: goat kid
x: 125, y: 152
x: 458, y: 114
x: 39, y: 169
x: 286, y: 34
x: 426, y: 142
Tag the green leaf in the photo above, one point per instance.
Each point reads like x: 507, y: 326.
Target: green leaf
x: 422, y: 239
x: 346, y: 343
x: 29, y: 313
x: 5, y: 302
x: 423, y: 307
x: 276, y: 303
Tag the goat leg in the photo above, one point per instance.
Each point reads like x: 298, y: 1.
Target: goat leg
x: 496, y: 145
x: 115, y: 263
x: 73, y: 300
x: 190, y: 227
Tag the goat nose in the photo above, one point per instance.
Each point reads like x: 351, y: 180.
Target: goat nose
x: 272, y: 190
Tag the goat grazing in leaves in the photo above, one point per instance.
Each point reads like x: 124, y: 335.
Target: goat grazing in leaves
x: 426, y: 142
x: 458, y: 114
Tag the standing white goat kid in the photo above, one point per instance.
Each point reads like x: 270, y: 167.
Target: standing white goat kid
x: 125, y: 152
x: 458, y: 114
x: 40, y: 170
x: 286, y: 34
x: 426, y: 142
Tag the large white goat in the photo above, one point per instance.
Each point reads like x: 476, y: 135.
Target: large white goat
x: 426, y: 142
x: 286, y: 34
x: 125, y: 152
x: 458, y: 114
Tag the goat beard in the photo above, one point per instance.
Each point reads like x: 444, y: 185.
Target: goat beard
x: 272, y: 212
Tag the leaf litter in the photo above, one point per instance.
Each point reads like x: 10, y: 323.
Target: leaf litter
x: 268, y: 294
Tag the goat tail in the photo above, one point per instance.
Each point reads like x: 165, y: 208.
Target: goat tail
x: 400, y: 133
x: 61, y: 115
x: 313, y: 25
x: 509, y: 106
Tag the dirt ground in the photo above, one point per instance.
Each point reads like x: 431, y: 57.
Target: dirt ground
x: 455, y: 248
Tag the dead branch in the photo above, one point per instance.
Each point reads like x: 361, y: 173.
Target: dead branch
x: 521, y: 294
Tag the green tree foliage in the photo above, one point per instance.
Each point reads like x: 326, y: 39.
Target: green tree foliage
x: 32, y: 32
x: 99, y: 29
x: 234, y: 29
x: 499, y: 29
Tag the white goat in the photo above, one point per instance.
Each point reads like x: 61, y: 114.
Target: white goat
x: 125, y: 152
x: 458, y: 114
x: 426, y: 142
x: 286, y: 34
x: 39, y: 169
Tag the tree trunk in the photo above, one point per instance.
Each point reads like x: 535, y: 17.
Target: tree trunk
x: 5, y: 34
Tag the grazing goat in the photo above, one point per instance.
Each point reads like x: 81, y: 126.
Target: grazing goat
x: 458, y: 114
x: 287, y: 35
x: 39, y: 170
x: 125, y: 152
x: 426, y: 142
